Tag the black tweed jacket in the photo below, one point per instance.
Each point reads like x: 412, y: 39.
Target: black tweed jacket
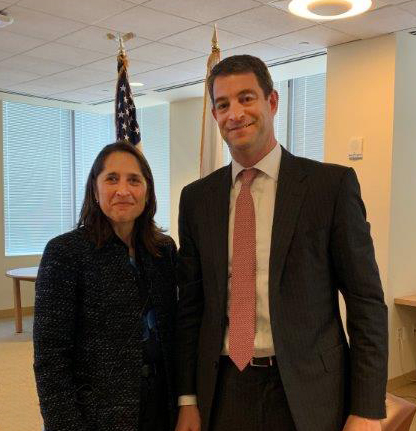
x: 87, y: 331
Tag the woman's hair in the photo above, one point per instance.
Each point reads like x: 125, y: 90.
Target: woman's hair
x: 96, y: 222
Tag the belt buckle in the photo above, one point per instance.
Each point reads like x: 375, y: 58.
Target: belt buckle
x: 270, y: 364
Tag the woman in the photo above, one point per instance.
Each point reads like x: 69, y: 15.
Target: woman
x: 104, y: 308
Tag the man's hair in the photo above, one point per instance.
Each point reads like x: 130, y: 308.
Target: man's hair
x: 96, y: 222
x: 240, y: 64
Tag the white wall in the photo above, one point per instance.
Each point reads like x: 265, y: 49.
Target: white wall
x: 359, y: 102
x: 402, y: 247
x: 185, y: 137
x: 371, y: 94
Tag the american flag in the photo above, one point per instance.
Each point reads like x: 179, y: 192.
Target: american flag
x: 127, y: 128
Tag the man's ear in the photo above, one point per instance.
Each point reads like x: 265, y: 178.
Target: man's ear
x: 274, y: 101
x: 214, y: 113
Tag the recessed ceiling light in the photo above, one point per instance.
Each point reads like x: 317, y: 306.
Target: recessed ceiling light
x: 5, y: 19
x: 328, y: 9
x: 136, y: 84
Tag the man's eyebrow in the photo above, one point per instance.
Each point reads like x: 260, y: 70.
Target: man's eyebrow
x: 247, y: 91
x: 241, y: 93
x: 220, y: 99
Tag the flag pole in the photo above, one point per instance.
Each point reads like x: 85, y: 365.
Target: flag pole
x: 121, y: 49
x: 211, y: 140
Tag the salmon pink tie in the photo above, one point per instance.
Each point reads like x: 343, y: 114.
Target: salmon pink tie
x: 243, y: 276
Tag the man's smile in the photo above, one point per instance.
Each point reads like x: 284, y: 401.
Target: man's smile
x: 240, y: 127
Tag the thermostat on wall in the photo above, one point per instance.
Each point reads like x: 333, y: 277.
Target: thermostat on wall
x: 355, y: 148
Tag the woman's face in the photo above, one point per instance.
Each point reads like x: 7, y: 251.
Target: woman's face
x: 121, y: 189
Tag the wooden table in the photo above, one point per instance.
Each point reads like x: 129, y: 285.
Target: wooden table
x: 409, y: 300
x: 18, y: 274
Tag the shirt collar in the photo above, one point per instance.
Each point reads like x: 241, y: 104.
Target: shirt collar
x: 269, y: 164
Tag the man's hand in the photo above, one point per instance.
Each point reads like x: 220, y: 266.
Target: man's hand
x: 356, y: 423
x: 189, y: 419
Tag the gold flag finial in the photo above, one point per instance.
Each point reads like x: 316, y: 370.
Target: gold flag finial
x: 214, y: 40
x: 121, y: 39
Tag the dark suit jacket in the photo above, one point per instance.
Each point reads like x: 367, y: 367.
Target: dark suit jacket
x: 88, y: 330
x: 320, y: 245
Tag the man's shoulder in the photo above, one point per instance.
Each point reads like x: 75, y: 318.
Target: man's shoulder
x: 214, y: 178
x: 317, y: 168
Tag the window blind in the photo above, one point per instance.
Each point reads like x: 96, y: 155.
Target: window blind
x: 281, y: 118
x: 154, y: 124
x: 38, y: 201
x: 308, y: 116
x: 92, y: 133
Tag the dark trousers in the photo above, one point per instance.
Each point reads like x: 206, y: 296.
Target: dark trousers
x: 154, y: 412
x: 251, y: 400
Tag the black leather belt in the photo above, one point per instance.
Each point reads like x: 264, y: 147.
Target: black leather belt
x: 267, y: 361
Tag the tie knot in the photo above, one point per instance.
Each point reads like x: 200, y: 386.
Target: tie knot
x: 247, y: 176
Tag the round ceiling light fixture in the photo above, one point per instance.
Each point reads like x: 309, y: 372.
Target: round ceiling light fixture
x: 322, y: 10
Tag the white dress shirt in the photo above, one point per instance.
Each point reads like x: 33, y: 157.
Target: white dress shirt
x: 263, y: 189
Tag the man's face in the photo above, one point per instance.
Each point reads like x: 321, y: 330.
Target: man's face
x: 244, y: 115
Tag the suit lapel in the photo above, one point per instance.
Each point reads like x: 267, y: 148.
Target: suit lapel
x: 290, y: 193
x: 217, y: 213
x: 291, y: 188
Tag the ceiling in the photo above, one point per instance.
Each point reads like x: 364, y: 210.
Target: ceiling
x: 58, y: 49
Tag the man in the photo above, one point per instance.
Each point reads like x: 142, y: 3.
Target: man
x: 266, y: 244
